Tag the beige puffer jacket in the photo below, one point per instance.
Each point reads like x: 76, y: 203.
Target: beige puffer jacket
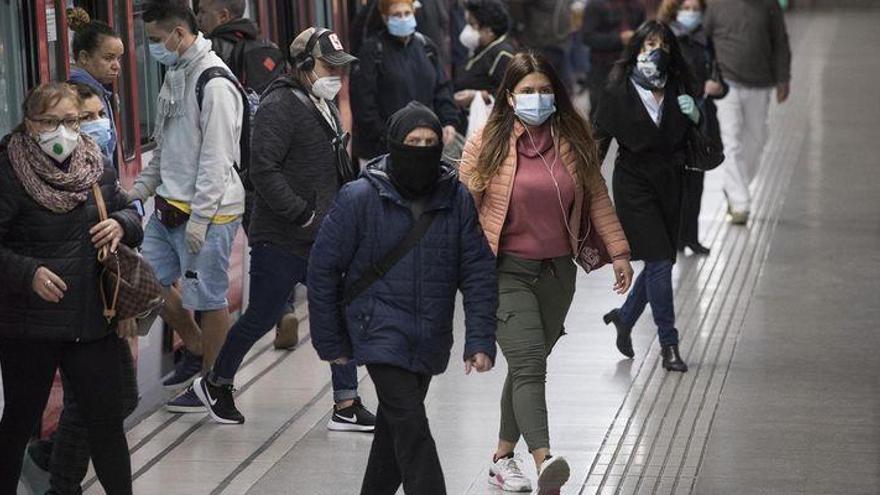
x: 493, y: 202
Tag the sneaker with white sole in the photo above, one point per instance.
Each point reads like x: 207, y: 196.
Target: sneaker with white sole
x: 218, y: 399
x: 355, y: 417
x: 187, y: 402
x: 507, y: 474
x: 554, y: 473
x: 187, y: 369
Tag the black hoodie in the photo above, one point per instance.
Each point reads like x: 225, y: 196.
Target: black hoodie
x: 225, y: 36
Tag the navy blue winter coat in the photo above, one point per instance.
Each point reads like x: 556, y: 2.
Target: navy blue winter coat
x: 405, y: 318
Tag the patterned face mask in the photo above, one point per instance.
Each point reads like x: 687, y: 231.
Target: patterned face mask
x: 651, y: 69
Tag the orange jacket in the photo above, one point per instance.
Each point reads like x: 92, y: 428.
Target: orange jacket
x: 493, y: 202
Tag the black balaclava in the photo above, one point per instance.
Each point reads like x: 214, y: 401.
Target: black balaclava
x: 414, y: 170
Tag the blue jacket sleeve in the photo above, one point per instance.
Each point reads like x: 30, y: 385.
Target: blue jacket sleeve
x: 477, y: 281
x: 331, y: 256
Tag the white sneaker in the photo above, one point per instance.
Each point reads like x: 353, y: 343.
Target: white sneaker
x: 554, y: 473
x: 507, y: 474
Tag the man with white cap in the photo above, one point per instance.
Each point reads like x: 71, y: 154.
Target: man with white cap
x: 299, y: 160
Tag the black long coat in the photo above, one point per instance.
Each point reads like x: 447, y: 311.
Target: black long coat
x: 32, y: 236
x: 648, y: 169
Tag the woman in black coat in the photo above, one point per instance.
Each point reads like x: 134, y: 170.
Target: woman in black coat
x: 647, y: 107
x: 51, y: 312
x: 685, y: 19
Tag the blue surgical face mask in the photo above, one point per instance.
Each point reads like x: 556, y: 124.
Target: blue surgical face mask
x: 162, y: 54
x: 690, y: 19
x: 99, y: 130
x: 534, y: 109
x: 402, y: 26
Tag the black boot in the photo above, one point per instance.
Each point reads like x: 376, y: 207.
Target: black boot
x: 672, y: 359
x: 624, y: 339
x: 699, y: 249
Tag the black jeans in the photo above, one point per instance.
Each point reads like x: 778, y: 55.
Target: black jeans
x: 403, y: 449
x: 93, y: 370
x: 70, y: 443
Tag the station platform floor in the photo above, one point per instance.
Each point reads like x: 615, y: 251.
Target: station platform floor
x: 779, y: 325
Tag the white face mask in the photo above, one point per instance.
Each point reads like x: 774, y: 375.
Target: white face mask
x: 326, y: 87
x: 470, y: 38
x: 58, y: 144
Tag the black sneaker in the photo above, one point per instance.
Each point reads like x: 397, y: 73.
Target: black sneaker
x: 219, y: 401
x: 355, y: 417
x: 185, y: 372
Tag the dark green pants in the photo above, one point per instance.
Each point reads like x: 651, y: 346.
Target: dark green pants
x: 534, y: 298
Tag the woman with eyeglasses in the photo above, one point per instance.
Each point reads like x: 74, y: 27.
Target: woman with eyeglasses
x: 534, y: 175
x: 648, y: 107
x: 51, y: 312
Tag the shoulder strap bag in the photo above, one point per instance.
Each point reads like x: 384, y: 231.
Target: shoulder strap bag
x: 390, y: 259
x: 128, y: 285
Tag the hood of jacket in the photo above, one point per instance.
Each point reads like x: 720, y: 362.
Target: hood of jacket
x: 376, y: 172
x: 239, y: 29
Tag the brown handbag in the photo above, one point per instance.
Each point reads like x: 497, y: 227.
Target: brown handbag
x: 129, y: 287
x: 592, y: 253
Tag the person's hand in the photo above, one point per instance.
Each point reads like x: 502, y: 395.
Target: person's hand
x: 464, y: 97
x: 195, y: 235
x: 448, y: 134
x: 623, y: 275
x: 625, y: 36
x: 48, y: 286
x: 782, y: 91
x: 689, y: 107
x: 107, y: 232
x: 480, y: 362
x: 341, y: 361
x: 127, y: 328
x: 713, y: 88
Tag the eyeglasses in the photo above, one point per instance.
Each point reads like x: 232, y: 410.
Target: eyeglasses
x: 52, y: 124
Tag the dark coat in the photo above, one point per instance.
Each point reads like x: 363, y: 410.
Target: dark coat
x: 390, y: 74
x: 32, y: 236
x: 225, y: 37
x: 405, y: 318
x: 604, y: 20
x: 296, y: 168
x: 648, y: 170
x: 485, y: 70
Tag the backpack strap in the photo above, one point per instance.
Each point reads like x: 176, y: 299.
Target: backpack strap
x: 223, y: 72
x: 378, y: 270
x: 338, y: 138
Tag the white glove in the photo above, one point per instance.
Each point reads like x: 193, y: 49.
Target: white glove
x: 195, y: 235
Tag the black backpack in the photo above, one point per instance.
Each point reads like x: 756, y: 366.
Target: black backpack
x: 256, y: 63
x: 251, y: 102
x: 428, y: 45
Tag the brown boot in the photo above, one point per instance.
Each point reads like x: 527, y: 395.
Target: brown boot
x: 287, y: 333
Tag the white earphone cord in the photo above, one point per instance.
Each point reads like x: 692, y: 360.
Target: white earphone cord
x: 550, y: 170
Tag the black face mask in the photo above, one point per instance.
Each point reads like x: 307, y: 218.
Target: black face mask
x: 414, y: 170
x: 651, y: 69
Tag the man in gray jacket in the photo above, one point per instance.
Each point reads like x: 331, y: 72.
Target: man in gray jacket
x: 752, y: 50
x: 198, y: 194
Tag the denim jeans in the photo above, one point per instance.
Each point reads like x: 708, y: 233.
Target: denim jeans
x: 653, y: 286
x: 274, y: 275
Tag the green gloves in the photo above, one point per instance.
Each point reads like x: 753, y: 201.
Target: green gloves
x: 689, y: 107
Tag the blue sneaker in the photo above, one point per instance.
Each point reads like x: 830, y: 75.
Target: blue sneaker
x: 185, y: 372
x: 187, y: 402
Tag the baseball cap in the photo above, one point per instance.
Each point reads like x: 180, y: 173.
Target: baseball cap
x: 328, y: 47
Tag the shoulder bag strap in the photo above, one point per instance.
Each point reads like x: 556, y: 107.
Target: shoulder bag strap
x: 103, y: 255
x: 379, y: 269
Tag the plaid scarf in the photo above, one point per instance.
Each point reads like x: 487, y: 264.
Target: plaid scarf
x: 45, y: 182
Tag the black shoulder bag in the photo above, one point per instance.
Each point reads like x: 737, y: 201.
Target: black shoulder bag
x: 378, y: 270
x: 339, y: 139
x: 703, y: 153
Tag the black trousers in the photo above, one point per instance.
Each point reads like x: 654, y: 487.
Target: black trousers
x: 690, y: 207
x: 403, y: 449
x: 93, y: 370
x: 70, y: 443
